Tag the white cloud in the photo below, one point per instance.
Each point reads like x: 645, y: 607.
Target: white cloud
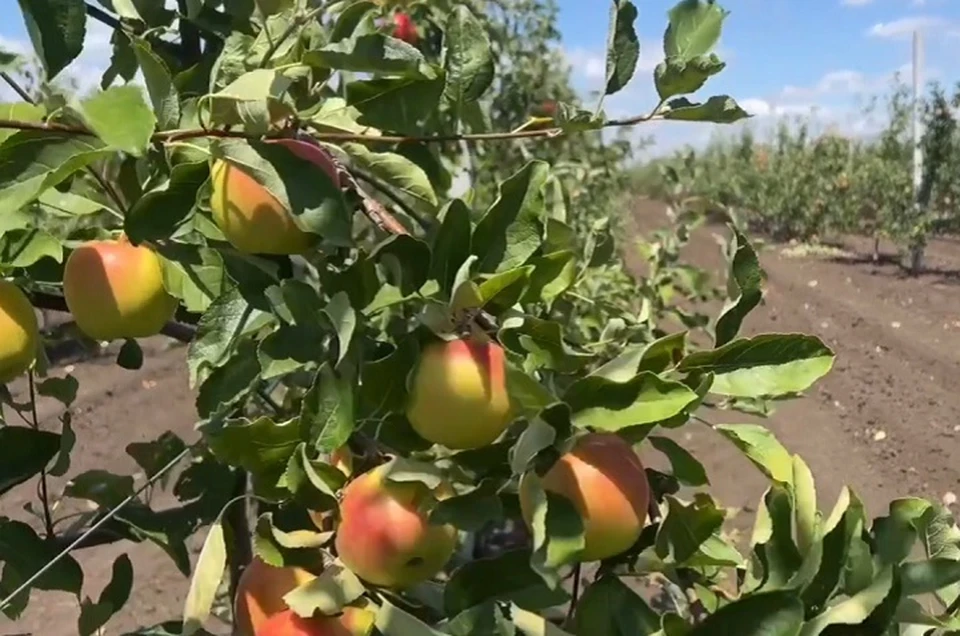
x: 904, y: 27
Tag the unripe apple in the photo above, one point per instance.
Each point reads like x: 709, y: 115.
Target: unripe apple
x: 114, y: 290
x: 458, y: 394
x: 19, y: 333
x: 352, y: 622
x: 384, y: 535
x: 250, y: 216
x: 605, y: 481
x: 404, y: 28
x: 260, y: 593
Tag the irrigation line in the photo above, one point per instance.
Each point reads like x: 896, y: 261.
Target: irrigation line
x: 107, y: 517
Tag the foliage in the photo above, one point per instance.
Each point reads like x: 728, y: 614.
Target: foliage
x: 797, y: 186
x: 296, y: 358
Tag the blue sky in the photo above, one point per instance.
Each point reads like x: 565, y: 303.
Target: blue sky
x: 784, y: 56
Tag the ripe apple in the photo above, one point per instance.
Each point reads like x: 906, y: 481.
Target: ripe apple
x: 384, y: 535
x: 250, y: 216
x: 605, y: 481
x: 19, y: 333
x: 114, y: 290
x: 352, y: 622
x: 260, y: 593
x: 458, y: 394
x: 404, y: 28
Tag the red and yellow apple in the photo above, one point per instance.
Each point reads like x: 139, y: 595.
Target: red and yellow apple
x: 260, y: 593
x: 404, y: 28
x: 605, y: 481
x: 251, y: 218
x: 385, y: 536
x: 114, y: 290
x: 19, y: 332
x: 458, y: 394
x: 353, y: 621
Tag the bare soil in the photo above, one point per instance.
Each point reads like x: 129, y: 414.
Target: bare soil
x: 886, y: 421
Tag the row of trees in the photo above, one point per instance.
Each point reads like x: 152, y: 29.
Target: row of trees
x: 798, y: 185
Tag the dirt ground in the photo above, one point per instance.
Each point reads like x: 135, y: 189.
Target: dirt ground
x: 885, y: 421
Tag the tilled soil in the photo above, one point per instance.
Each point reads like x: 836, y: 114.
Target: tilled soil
x: 884, y: 422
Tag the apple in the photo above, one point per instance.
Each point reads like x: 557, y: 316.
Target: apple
x: 404, y: 28
x: 114, y: 290
x: 260, y: 593
x: 458, y: 394
x: 353, y: 621
x: 250, y: 216
x: 384, y: 535
x: 19, y: 332
x: 605, y: 481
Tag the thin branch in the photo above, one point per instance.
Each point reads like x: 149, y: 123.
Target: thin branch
x: 297, y: 22
x: 240, y: 551
x: 92, y: 529
x: 44, y: 491
x: 575, y: 594
x: 388, y: 191
x: 12, y: 83
x: 194, y: 133
x: 105, y: 18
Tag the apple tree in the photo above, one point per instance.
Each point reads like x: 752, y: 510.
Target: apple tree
x: 387, y: 233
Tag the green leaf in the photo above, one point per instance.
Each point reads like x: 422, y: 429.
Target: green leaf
x: 326, y: 413
x: 399, y: 105
x: 302, y: 187
x: 23, y: 553
x: 470, y: 511
x: 121, y: 118
x: 607, y: 405
x: 160, y: 87
x: 228, y: 385
x: 33, y: 161
x: 393, y: 621
x: 23, y: 248
x: 482, y: 580
x: 763, y: 366
x: 760, y: 446
x: 22, y: 112
x: 609, y: 608
x: 407, y: 261
x: 253, y: 100
x: 655, y: 357
x: 769, y: 614
x: 159, y: 212
x: 623, y: 46
x: 114, y: 595
x: 557, y: 528
x: 372, y: 53
x: 261, y: 446
x: 693, y: 29
x: 542, y: 342
x: 925, y: 577
x: 194, y: 275
x: 207, y: 574
x: 552, y: 275
x: 531, y: 624
x: 676, y: 76
x: 104, y: 488
x: 130, y: 355
x: 718, y: 109
x: 383, y: 381
x: 468, y: 60
x: 398, y: 172
x: 509, y: 232
x: 451, y: 244
x: 154, y: 455
x: 329, y: 593
x: 343, y: 319
x: 57, y: 29
x: 744, y: 289
x: 806, y: 515
x: 685, y: 466
x: 68, y: 439
x: 856, y: 609
x: 25, y: 452
x: 686, y: 527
